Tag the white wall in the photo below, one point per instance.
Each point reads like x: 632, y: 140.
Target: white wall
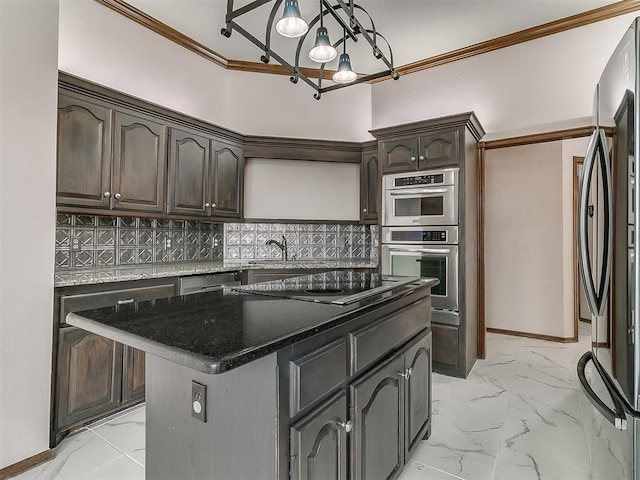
x: 524, y: 239
x: 542, y: 85
x: 285, y: 189
x: 28, y: 100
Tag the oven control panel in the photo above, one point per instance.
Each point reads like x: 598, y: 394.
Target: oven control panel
x: 434, y: 179
x: 419, y: 236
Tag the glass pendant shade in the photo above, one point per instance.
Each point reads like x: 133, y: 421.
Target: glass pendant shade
x: 323, y: 51
x: 291, y: 24
x: 344, y: 74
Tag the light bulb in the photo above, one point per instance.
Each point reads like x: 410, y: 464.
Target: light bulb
x: 344, y: 74
x: 323, y: 51
x: 291, y: 24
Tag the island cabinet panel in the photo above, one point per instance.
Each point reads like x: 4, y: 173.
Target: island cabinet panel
x: 139, y: 160
x: 369, y: 187
x: 377, y: 438
x: 226, y: 183
x: 133, y: 365
x: 418, y: 365
x: 316, y: 373
x: 319, y: 442
x: 189, y: 156
x: 84, y: 153
x: 90, y: 376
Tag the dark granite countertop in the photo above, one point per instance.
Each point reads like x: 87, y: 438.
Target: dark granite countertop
x: 122, y: 273
x: 217, y: 331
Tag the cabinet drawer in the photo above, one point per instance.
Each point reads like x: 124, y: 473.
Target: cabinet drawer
x: 316, y: 373
x: 89, y: 301
x: 445, y: 344
x: 374, y: 341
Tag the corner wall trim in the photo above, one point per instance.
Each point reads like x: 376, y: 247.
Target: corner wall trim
x: 537, y: 336
x: 26, y: 464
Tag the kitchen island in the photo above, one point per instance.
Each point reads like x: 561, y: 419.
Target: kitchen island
x: 256, y: 384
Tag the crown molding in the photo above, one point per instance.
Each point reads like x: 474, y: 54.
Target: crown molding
x: 586, y: 18
x: 543, y: 137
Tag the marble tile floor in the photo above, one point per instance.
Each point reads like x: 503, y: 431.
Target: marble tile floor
x: 519, y: 415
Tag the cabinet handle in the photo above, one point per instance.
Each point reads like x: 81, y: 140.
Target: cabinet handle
x: 117, y: 195
x: 207, y: 205
x: 421, y: 157
x: 413, y: 159
x: 106, y: 194
x: 126, y: 302
x: 213, y: 205
x: 406, y: 374
x: 364, y: 210
x: 348, y: 426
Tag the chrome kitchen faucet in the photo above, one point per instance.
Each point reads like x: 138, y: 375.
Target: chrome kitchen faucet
x: 282, y: 246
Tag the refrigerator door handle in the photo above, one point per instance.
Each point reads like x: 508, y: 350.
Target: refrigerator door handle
x: 597, y: 148
x: 618, y: 417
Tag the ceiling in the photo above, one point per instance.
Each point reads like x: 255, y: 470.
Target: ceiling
x: 415, y: 29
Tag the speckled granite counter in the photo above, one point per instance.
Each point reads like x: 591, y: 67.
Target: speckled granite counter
x: 218, y: 331
x: 67, y: 278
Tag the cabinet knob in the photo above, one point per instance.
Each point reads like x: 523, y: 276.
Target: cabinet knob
x: 413, y: 159
x: 348, y: 426
x: 207, y: 205
x: 117, y: 195
x: 421, y: 157
x: 364, y: 210
x: 213, y: 205
x: 106, y: 194
x: 406, y: 374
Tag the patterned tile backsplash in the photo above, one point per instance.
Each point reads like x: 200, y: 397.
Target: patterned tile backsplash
x: 84, y: 241
x: 247, y: 241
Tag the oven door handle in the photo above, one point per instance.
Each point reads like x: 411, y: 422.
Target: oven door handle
x: 419, y: 192
x: 422, y: 250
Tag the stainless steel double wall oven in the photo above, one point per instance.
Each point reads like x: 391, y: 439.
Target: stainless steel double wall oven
x: 420, y: 234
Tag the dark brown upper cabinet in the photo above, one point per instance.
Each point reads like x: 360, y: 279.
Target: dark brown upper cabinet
x: 91, y: 174
x: 139, y: 161
x: 399, y: 155
x: 189, y: 157
x: 84, y: 153
x: 437, y: 149
x: 225, y: 185
x: 369, y: 187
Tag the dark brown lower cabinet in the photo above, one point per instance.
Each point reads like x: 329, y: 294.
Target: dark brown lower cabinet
x: 90, y: 376
x: 418, y: 360
x: 96, y: 376
x: 133, y: 375
x: 319, y: 442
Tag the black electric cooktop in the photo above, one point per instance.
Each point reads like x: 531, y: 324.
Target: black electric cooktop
x: 337, y: 287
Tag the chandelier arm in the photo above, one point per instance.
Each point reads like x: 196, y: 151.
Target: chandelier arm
x: 231, y: 13
x: 388, y: 46
x: 267, y: 36
x: 332, y: 10
x: 373, y: 27
x: 365, y: 34
x: 365, y: 78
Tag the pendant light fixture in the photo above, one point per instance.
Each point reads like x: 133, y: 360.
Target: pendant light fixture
x: 345, y: 73
x: 323, y: 51
x: 351, y: 17
x: 291, y: 24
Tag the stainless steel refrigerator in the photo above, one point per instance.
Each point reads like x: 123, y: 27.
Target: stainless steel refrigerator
x: 607, y: 215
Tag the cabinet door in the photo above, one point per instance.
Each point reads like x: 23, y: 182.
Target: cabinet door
x: 439, y: 149
x: 378, y: 422
x: 90, y: 376
x: 84, y: 153
x: 226, y: 180
x: 139, y: 160
x: 369, y: 187
x: 418, y: 392
x: 400, y: 155
x: 133, y: 372
x: 188, y: 171
x: 319, y: 442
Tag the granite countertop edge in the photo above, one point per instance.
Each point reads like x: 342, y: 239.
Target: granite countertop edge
x: 124, y: 273
x: 213, y: 365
